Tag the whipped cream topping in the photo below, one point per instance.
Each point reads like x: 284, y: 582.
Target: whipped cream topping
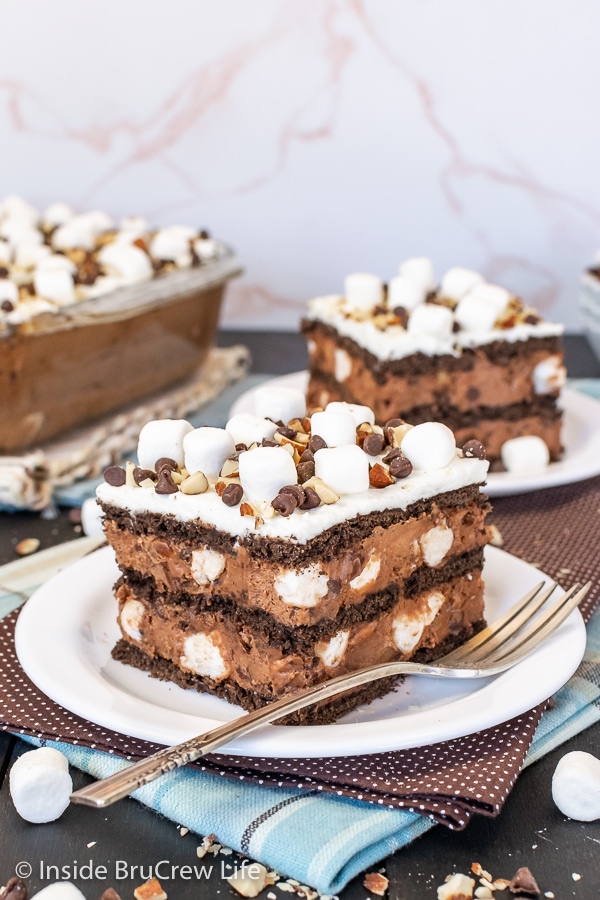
x: 267, y: 490
x: 465, y: 311
x: 96, y: 255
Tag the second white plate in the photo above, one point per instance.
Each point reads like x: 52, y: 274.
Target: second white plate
x: 67, y: 629
x: 581, y: 439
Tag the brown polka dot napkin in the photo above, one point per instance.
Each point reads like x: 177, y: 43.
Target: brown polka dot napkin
x: 556, y: 529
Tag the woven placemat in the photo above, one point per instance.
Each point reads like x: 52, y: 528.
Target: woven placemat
x: 557, y: 530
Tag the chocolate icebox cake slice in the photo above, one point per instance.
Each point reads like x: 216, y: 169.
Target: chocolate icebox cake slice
x: 463, y: 352
x: 286, y: 549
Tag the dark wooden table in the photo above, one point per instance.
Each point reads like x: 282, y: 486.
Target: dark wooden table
x: 530, y: 831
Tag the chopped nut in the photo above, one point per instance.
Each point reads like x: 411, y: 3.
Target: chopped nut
x: 177, y: 477
x: 460, y: 887
x: 27, y: 546
x: 395, y: 433
x: 249, y: 880
x: 500, y: 884
x: 376, y: 883
x: 496, y: 539
x: 130, y: 469
x: 298, y: 425
x: 477, y: 869
x: 323, y: 491
x: 246, y: 509
x: 150, y: 890
x: 523, y: 882
x: 379, y: 477
x: 230, y: 469
x: 194, y: 484
x: 483, y: 893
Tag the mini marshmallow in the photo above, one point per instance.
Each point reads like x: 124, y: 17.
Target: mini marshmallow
x: 5, y: 252
x: 359, y: 413
x: 279, y: 403
x: 362, y: 290
x: 57, y: 261
x: 14, y: 206
x: 40, y: 785
x: 206, y: 449
x: 91, y: 517
x: 431, y: 319
x: 336, y: 428
x: 419, y: 270
x: 18, y: 231
x: 59, y: 890
x: 264, y: 471
x: 475, y: 315
x: 549, y: 375
x: 525, y: 455
x: 173, y: 243
x: 54, y: 284
x: 207, y: 249
x: 576, y: 786
x: 125, y: 261
x: 345, y: 469
x: 97, y: 219
x: 57, y: 214
x: 405, y: 292
x: 136, y: 224
x: 247, y: 429
x: 76, y: 232
x: 25, y: 310
x: 28, y: 255
x: 162, y: 438
x: 430, y: 445
x: 458, y: 281
x: 8, y: 290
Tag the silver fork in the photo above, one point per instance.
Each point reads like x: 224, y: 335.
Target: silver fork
x: 494, y: 649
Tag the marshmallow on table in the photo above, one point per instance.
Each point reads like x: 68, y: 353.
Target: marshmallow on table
x: 247, y: 429
x: 54, y: 284
x: 362, y: 290
x: 336, y: 428
x: 126, y: 261
x: 359, y: 413
x: 57, y: 214
x: 91, y: 517
x: 279, y: 403
x: 430, y: 445
x: 60, y: 890
x: 431, y: 319
x: 419, y: 270
x: 206, y: 449
x: 40, y: 785
x: 576, y: 786
x: 345, y: 469
x: 458, y: 281
x: 525, y: 455
x: 162, y: 438
x: 405, y: 292
x: 264, y: 471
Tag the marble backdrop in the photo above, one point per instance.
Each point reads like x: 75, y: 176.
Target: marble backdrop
x: 320, y: 137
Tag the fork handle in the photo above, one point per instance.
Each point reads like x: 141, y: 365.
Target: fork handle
x: 108, y: 790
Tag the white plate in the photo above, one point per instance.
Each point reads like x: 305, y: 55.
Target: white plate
x: 68, y: 627
x: 581, y: 439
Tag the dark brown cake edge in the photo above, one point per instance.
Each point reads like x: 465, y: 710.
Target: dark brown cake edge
x: 324, y: 713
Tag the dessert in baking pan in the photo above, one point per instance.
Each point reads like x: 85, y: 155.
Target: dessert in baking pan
x: 94, y: 315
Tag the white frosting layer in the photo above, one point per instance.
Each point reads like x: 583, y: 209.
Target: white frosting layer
x: 208, y: 508
x: 395, y: 342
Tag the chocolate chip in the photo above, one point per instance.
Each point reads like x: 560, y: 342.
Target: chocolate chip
x: 473, y: 393
x: 400, y: 467
x: 474, y: 449
x: 15, y: 890
x: 140, y: 475
x: 373, y: 444
x: 204, y: 234
x: 295, y: 490
x: 532, y: 319
x: 110, y: 894
x: 284, y: 504
x: 287, y: 432
x: 401, y: 313
x: 455, y: 327
x: 7, y: 306
x: 307, y: 456
x: 393, y: 423
x: 232, y: 494
x: 241, y: 447
x: 523, y: 882
x: 4, y: 273
x: 165, y: 483
x: 306, y: 471
x: 115, y: 475
x: 316, y: 443
x: 88, y: 271
x: 235, y: 455
x: 393, y: 453
x: 312, y: 499
x: 268, y: 443
x: 165, y: 462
